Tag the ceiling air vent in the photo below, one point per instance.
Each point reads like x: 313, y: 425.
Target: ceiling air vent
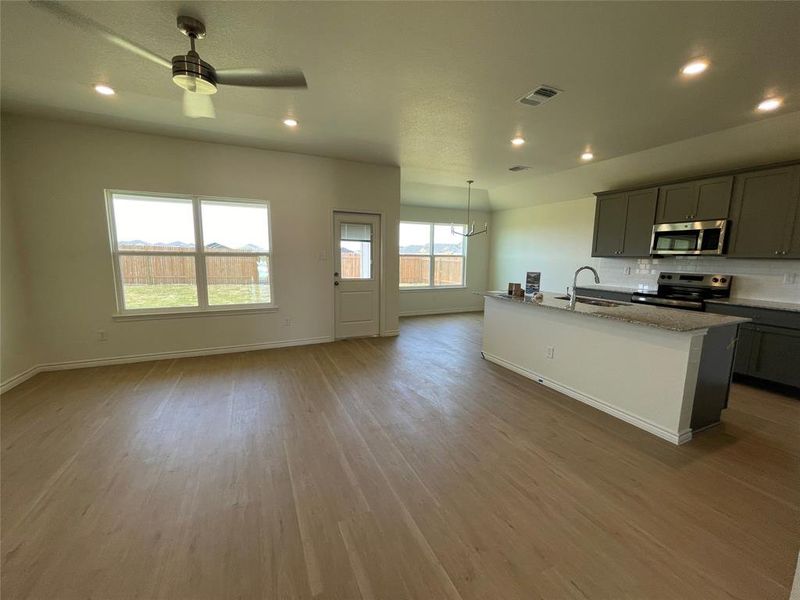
x: 540, y: 95
x: 517, y: 168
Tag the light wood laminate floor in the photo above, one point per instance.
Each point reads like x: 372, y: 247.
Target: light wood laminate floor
x: 382, y: 468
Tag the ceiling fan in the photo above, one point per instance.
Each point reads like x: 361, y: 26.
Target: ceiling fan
x: 196, y: 77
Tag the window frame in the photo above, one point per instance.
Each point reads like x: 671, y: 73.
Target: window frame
x: 199, y: 254
x: 433, y: 256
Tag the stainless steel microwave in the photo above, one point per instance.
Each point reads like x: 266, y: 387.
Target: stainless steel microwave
x: 693, y: 237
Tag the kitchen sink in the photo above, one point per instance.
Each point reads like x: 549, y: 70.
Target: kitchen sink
x: 592, y: 301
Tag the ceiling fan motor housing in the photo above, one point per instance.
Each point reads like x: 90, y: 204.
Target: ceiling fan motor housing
x: 192, y: 73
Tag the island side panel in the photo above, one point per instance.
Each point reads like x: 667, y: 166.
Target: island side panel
x: 643, y: 375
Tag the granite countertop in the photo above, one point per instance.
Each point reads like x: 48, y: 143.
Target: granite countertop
x: 770, y: 304
x: 650, y: 316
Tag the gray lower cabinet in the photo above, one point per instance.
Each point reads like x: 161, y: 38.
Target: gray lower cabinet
x: 763, y: 212
x: 775, y: 355
x: 624, y: 222
x: 701, y: 200
x: 769, y: 346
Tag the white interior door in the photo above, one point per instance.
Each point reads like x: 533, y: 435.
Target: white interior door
x: 356, y: 278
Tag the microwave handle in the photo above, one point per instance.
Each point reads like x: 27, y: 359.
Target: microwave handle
x: 700, y: 239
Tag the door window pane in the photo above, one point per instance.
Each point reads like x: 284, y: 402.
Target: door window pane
x: 415, y: 238
x: 446, y: 242
x: 448, y: 270
x: 235, y: 226
x: 238, y: 280
x: 145, y: 223
x: 158, y: 281
x: 356, y: 259
x: 415, y: 271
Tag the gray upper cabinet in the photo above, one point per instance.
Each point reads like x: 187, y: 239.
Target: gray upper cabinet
x: 763, y: 212
x: 609, y: 225
x: 676, y: 203
x: 762, y: 207
x: 713, y: 198
x: 624, y: 222
x: 794, y: 241
x: 639, y: 222
x: 701, y: 200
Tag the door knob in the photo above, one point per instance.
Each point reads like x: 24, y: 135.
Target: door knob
x: 335, y: 283
x: 336, y: 274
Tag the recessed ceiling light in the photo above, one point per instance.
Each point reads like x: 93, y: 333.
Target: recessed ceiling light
x: 518, y: 141
x: 290, y: 122
x: 104, y: 90
x: 769, y: 104
x: 695, y: 67
x: 587, y: 156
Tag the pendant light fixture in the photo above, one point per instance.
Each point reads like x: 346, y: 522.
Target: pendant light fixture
x: 470, y: 224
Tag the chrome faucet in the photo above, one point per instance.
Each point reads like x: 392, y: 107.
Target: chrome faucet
x: 573, y: 297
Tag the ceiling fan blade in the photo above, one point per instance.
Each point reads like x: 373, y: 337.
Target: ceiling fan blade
x: 262, y: 78
x: 198, y: 106
x: 82, y: 22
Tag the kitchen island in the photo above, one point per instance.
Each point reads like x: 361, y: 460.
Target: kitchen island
x: 666, y: 371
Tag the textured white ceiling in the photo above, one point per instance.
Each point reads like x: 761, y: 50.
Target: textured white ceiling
x: 431, y: 87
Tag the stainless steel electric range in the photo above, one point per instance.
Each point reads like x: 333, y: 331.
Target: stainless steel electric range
x: 687, y: 291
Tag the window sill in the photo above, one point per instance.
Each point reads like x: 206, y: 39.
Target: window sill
x: 182, y: 314
x: 440, y: 288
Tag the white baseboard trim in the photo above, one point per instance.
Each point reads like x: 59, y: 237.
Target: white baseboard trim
x: 665, y: 434
x: 134, y: 358
x: 438, y: 311
x: 391, y: 333
x: 19, y: 378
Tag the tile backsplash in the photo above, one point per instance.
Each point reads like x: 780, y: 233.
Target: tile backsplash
x: 777, y: 280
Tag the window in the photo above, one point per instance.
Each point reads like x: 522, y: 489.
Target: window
x: 355, y: 247
x: 184, y: 253
x: 431, y: 256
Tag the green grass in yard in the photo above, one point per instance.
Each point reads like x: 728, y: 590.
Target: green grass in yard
x: 182, y: 295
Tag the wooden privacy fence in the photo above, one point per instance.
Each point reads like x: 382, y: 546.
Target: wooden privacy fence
x: 153, y: 270
x: 415, y: 270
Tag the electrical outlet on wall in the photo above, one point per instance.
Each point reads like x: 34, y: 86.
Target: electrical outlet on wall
x: 550, y: 352
x: 627, y: 270
x: 287, y: 322
x: 102, y: 335
x: 790, y: 279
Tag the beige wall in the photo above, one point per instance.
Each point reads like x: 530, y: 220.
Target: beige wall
x: 420, y: 302
x: 59, y: 173
x: 552, y: 238
x: 17, y: 346
x: 556, y: 239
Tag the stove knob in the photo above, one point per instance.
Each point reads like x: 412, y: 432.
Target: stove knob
x: 715, y: 279
x: 724, y: 280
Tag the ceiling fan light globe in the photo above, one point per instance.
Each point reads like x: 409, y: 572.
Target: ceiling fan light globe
x: 194, y: 84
